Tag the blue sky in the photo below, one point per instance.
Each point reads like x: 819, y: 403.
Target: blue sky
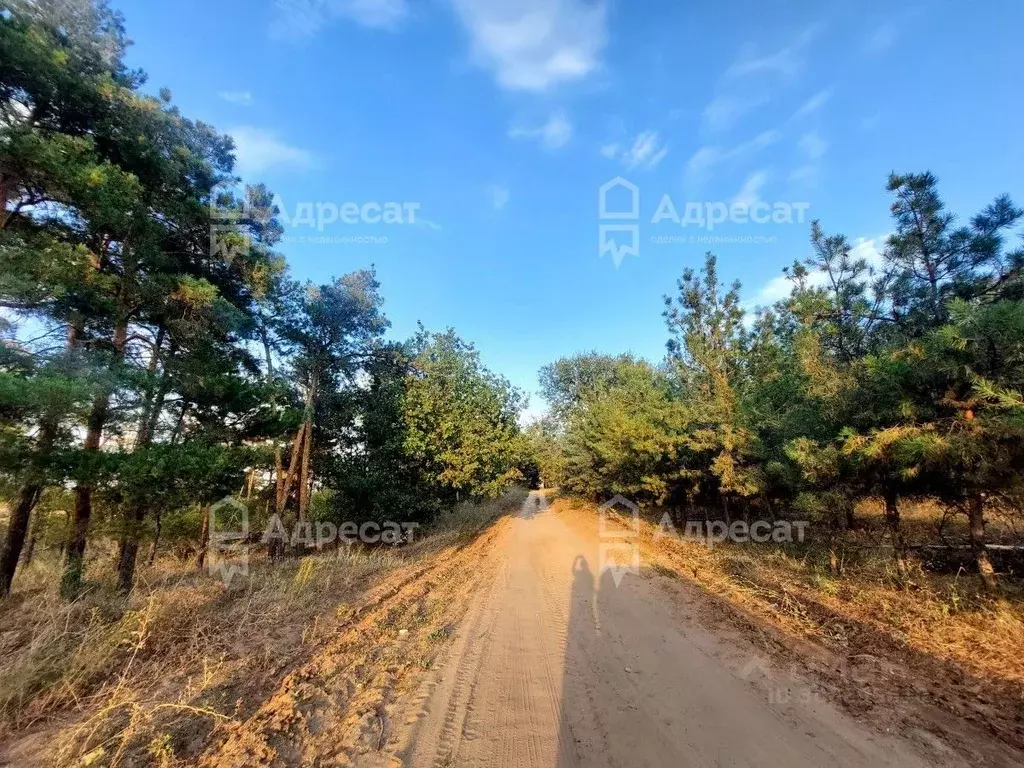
x: 501, y: 119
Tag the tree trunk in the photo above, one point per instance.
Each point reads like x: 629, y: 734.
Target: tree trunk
x: 835, y: 566
x: 16, y: 533
x: 304, y: 479
x: 74, y: 562
x: 976, y: 518
x: 35, y: 528
x: 307, y: 448
x: 152, y: 407
x: 892, y: 521
x: 126, y: 565
x: 287, y: 477
x: 28, y: 497
x: 851, y: 522
x: 151, y: 401
x: 74, y: 567
x: 156, y: 408
x: 278, y: 478
x: 129, y: 549
x: 180, y: 425
x: 156, y: 538
x: 204, y: 538
x: 265, y: 338
x: 8, y: 188
x: 128, y: 552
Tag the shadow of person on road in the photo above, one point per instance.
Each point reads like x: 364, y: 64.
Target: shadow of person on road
x: 593, y: 671
x: 582, y: 631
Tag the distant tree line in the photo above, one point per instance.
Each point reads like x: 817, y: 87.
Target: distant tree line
x: 157, y: 356
x: 893, y: 381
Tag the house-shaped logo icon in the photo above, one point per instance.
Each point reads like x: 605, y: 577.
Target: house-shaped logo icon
x: 613, y: 211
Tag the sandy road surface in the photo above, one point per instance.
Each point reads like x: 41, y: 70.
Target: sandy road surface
x: 555, y: 665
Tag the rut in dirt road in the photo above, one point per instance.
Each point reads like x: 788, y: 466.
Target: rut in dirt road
x: 556, y: 665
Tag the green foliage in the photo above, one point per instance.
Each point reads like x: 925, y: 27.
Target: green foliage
x: 149, y: 282
x: 903, y: 378
x: 461, y: 419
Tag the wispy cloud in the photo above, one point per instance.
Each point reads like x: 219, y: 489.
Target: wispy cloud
x: 881, y: 38
x: 532, y: 45
x: 646, y: 151
x: 870, y: 122
x: 750, y: 192
x: 724, y: 111
x: 553, y: 134
x: 499, y: 196
x: 705, y: 159
x: 786, y: 61
x: 302, y: 18
x: 749, y: 82
x: 258, y: 150
x: 240, y: 98
x: 812, y: 148
x: 814, y: 104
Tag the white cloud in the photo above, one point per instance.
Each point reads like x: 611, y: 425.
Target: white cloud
x: 725, y: 111
x: 881, y: 39
x: 750, y: 192
x: 805, y: 175
x: 301, y: 18
x: 749, y: 82
x: 702, y: 160
x: 813, y: 149
x: 871, y: 249
x: 813, y: 146
x: 779, y: 287
x: 787, y: 61
x: 554, y: 134
x: 499, y: 196
x: 706, y: 158
x: 531, y: 45
x: 646, y: 152
x: 813, y: 104
x: 241, y: 98
x: 257, y: 151
x: 761, y: 141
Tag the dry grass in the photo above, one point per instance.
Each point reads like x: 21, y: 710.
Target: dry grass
x: 183, y: 644
x: 184, y: 655
x: 945, y: 616
x: 468, y: 519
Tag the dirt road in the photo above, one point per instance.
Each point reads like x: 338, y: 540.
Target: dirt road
x: 555, y: 664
